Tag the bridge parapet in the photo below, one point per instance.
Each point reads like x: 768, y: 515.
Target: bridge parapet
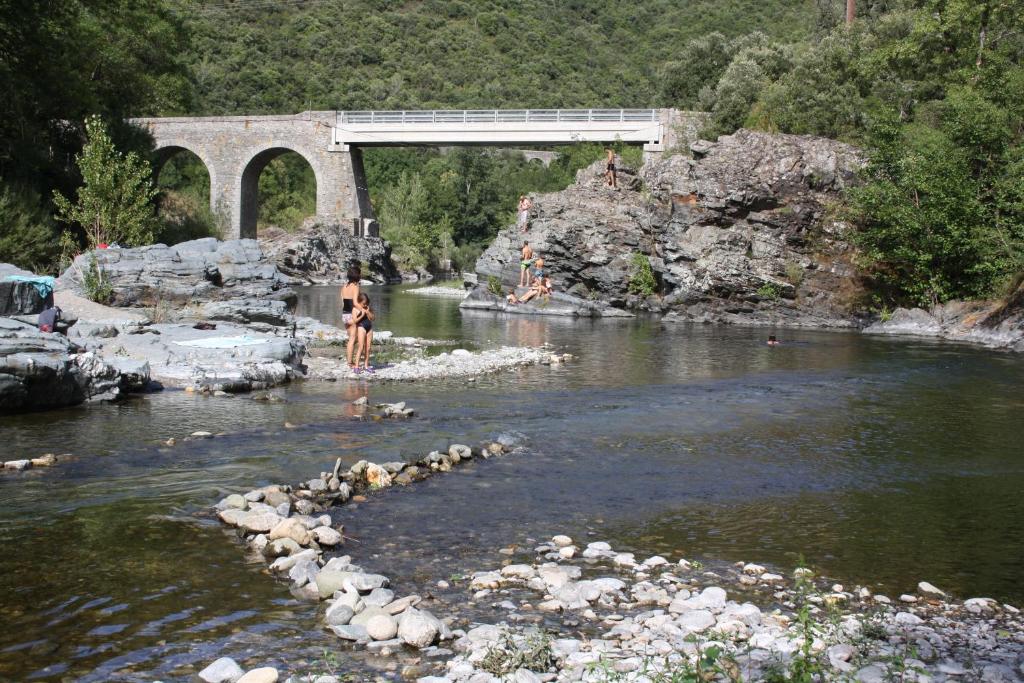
x: 498, y: 116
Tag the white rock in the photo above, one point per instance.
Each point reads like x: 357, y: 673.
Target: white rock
x: 753, y: 569
x: 625, y: 560
x: 266, y: 674
x: 418, y: 629
x: 907, y: 619
x: 382, y: 627
x: 906, y: 597
x: 768, y: 577
x: 223, y: 670
x: 655, y: 561
x: 519, y: 571
x: 325, y: 535
x: 561, y: 541
x: 485, y: 580
x: 567, y: 552
x: 696, y: 621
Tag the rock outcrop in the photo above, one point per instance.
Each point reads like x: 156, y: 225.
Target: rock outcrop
x: 320, y: 254
x: 557, y: 304
x: 41, y: 370
x: 993, y: 324
x: 18, y: 298
x: 191, y: 272
x: 740, y: 233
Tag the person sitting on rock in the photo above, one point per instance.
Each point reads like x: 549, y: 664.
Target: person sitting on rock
x: 363, y: 319
x: 512, y: 298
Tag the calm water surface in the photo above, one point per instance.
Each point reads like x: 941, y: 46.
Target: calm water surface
x: 882, y: 462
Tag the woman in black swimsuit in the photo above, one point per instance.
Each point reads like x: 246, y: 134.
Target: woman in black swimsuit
x: 349, y: 294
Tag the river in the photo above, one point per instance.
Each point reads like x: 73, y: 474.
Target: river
x: 878, y: 461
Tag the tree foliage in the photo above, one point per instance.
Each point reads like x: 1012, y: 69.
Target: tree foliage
x: 933, y: 90
x: 114, y: 203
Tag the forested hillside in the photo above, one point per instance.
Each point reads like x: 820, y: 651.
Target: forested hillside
x: 933, y: 90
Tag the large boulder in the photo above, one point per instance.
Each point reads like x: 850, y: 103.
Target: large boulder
x: 18, y: 298
x: 321, y: 254
x: 737, y: 232
x: 41, y: 370
x: 198, y: 271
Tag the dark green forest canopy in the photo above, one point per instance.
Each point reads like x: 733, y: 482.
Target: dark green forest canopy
x: 380, y: 54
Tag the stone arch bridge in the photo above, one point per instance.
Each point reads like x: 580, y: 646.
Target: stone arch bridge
x: 236, y: 149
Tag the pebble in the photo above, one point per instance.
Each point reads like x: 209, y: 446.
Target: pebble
x: 382, y: 627
x: 927, y: 589
x: 223, y: 670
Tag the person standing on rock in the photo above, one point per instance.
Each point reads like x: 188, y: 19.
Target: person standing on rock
x: 609, y: 168
x: 525, y: 204
x: 349, y: 295
x: 525, y: 263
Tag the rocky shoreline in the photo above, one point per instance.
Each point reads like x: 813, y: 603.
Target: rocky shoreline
x: 575, y: 612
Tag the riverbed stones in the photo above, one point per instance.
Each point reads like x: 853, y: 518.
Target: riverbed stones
x: 260, y: 522
x: 928, y: 590
x: 418, y: 628
x: 327, y: 536
x: 223, y: 670
x: 266, y: 674
x: 292, y: 528
x: 328, y: 582
x: 281, y: 547
x: 382, y: 627
x: 353, y: 632
x: 379, y: 597
x: 338, y: 614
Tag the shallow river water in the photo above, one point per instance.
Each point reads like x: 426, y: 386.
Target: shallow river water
x: 878, y: 461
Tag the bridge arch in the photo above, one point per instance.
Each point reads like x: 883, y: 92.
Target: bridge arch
x: 249, y: 181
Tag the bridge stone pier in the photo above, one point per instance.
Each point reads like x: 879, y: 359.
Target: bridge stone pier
x: 236, y: 149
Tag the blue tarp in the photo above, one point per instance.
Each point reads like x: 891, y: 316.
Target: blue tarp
x: 44, y: 284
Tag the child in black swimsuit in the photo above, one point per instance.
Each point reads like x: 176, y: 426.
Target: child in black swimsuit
x: 362, y: 316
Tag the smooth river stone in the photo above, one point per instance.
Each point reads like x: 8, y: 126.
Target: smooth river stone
x: 260, y: 522
x: 325, y: 535
x: 266, y: 674
x: 328, y: 582
x: 381, y: 627
x: 292, y: 528
x: 223, y: 670
x: 233, y: 516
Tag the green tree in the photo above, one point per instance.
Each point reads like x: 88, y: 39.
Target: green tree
x: 115, y: 201
x: 27, y: 236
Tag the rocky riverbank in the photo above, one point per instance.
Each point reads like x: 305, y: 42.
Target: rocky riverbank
x: 566, y: 305
x: 455, y: 364
x: 568, y: 611
x: 291, y: 528
x: 740, y: 232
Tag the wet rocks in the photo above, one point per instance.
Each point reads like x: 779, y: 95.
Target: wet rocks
x: 223, y: 670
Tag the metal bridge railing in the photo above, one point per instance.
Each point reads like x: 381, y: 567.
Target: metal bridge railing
x: 499, y: 116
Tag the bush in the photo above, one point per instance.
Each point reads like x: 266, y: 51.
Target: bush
x: 641, y: 278
x: 97, y: 288
x: 494, y: 285
x: 769, y: 291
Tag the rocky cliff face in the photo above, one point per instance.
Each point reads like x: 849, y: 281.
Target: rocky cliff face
x: 320, y: 254
x: 741, y: 232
